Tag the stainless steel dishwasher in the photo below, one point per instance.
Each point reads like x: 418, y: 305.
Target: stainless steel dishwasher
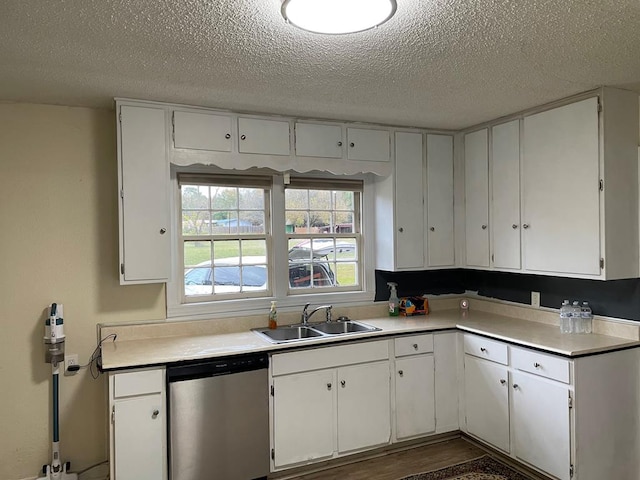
x: 219, y: 419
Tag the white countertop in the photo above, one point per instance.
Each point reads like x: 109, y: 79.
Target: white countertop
x: 158, y: 351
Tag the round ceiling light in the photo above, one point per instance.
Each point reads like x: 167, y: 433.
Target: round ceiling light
x: 337, y: 17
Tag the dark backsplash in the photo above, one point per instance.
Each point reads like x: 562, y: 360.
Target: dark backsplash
x: 614, y: 298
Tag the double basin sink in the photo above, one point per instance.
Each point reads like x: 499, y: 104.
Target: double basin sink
x: 294, y: 333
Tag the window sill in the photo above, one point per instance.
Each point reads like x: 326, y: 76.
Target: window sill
x: 258, y: 306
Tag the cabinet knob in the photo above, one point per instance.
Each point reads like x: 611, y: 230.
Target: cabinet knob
x: 537, y: 365
x: 243, y: 137
x: 515, y: 386
x: 343, y: 383
x: 400, y: 372
x: 484, y: 227
x: 352, y: 144
x: 526, y: 225
x: 339, y: 144
x: 433, y: 229
x: 483, y: 350
x: 328, y: 386
x: 155, y: 414
x: 401, y: 229
x: 163, y: 231
x: 503, y: 381
x: 415, y: 346
x: 514, y: 226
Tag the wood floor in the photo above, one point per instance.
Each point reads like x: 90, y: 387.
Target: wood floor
x: 397, y: 465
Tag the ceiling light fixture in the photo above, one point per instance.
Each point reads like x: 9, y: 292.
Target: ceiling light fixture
x: 337, y: 17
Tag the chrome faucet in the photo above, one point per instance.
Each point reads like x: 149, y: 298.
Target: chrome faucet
x: 307, y: 315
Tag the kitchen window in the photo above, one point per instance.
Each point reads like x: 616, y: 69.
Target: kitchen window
x: 246, y: 239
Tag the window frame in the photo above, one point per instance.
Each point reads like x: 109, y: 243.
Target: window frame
x: 279, y: 275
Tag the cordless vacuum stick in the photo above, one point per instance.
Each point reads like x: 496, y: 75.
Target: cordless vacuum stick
x: 54, y: 340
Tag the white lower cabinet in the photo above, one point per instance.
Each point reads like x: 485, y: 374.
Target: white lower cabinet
x: 329, y: 401
x: 487, y: 401
x: 540, y: 421
x: 138, y: 427
x: 414, y: 387
x: 303, y: 417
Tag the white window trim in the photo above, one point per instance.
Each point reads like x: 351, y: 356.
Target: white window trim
x: 176, y: 310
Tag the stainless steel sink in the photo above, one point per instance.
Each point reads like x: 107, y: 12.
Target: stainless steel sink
x: 288, y: 334
x: 337, y: 328
x: 295, y: 333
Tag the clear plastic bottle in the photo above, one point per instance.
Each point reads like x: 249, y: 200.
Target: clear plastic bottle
x: 394, y: 301
x: 565, y: 317
x: 576, y: 320
x: 586, y: 317
x: 273, y: 316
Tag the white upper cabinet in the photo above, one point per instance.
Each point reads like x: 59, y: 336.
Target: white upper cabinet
x: 368, y: 144
x: 440, y: 239
x: 560, y: 192
x: 202, y: 131
x: 268, y: 137
x: 144, y: 195
x: 408, y: 198
x: 476, y: 180
x: 505, y: 201
x: 319, y: 140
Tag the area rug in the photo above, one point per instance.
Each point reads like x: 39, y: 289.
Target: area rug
x: 483, y: 468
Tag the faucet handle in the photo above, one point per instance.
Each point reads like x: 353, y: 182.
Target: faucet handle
x: 328, y: 309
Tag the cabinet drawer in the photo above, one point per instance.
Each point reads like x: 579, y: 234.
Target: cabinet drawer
x: 329, y: 357
x: 485, y: 348
x: 548, y: 366
x: 414, y: 345
x: 138, y: 383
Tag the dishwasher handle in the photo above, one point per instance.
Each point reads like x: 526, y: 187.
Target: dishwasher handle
x: 217, y: 366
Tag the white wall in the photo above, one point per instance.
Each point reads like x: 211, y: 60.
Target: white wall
x: 58, y: 242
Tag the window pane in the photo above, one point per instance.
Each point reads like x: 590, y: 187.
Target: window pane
x: 320, y: 222
x: 251, y: 222
x: 347, y: 274
x: 346, y: 249
x: 343, y: 222
x: 225, y: 223
x: 254, y: 251
x: 323, y: 274
x: 195, y: 197
x: 197, y: 281
x: 224, y: 198
x: 296, y: 199
x: 196, y: 222
x: 251, y: 198
x: 343, y: 200
x: 226, y: 279
x: 226, y: 252
x: 195, y: 253
x: 297, y: 221
x: 299, y: 275
x: 299, y: 249
x: 320, y: 200
x: 254, y: 278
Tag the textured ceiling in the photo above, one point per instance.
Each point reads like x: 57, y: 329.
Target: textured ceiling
x: 437, y: 63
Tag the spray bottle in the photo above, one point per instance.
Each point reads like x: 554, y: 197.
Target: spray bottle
x: 394, y: 301
x: 273, y: 316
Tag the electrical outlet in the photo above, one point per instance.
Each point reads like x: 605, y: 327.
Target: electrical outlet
x: 535, y: 299
x: 69, y: 360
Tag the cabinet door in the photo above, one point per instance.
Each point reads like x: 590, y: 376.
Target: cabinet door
x: 303, y: 417
x: 367, y: 144
x: 487, y: 401
x: 409, y: 197
x: 269, y: 137
x: 560, y: 193
x: 364, y: 407
x: 144, y: 183
x: 440, y: 241
x: 505, y: 187
x: 476, y: 187
x: 318, y: 140
x: 202, y: 131
x: 446, y: 359
x: 541, y: 428
x: 139, y: 438
x: 415, y: 400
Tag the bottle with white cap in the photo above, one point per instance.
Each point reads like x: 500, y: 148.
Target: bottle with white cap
x: 565, y: 317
